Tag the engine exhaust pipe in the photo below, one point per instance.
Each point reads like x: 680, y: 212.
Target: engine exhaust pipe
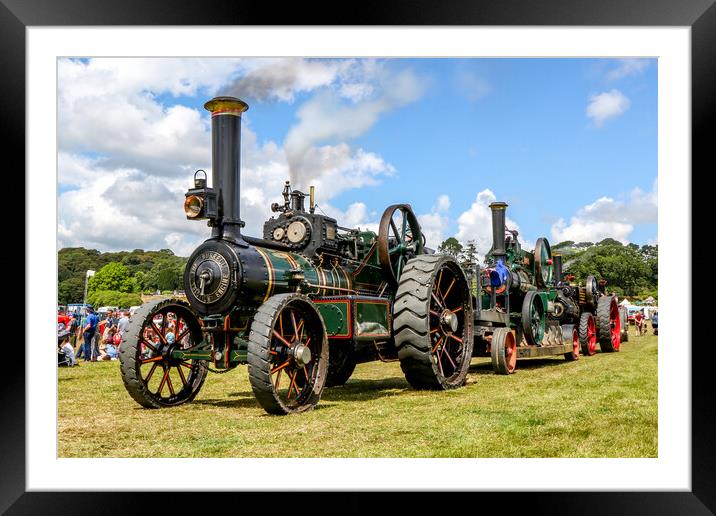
x: 498, y: 229
x: 557, y: 267
x: 226, y: 163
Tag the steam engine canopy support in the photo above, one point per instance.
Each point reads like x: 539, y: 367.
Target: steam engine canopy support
x: 226, y: 157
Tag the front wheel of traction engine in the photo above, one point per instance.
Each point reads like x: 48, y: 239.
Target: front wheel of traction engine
x: 503, y: 350
x: 433, y: 323
x: 151, y: 373
x: 287, y: 354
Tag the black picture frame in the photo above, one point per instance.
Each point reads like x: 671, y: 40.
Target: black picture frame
x: 16, y: 15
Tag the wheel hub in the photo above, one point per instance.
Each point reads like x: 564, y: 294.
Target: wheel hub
x: 449, y: 320
x: 301, y: 354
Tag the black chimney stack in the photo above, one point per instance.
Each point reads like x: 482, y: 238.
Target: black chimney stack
x: 226, y: 162
x: 498, y: 229
x: 557, y: 267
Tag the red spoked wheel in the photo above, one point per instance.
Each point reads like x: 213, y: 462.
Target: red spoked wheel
x: 610, y: 334
x: 587, y: 334
x: 288, y: 354
x: 151, y: 374
x: 503, y: 349
x: 570, y: 335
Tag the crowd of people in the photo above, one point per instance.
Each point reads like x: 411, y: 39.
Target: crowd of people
x: 91, y: 338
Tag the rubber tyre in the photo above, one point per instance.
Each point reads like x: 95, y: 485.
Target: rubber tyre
x: 411, y: 323
x: 584, y: 333
x: 341, y: 363
x: 605, y: 306
x: 571, y: 335
x: 259, y: 347
x: 503, y: 340
x: 129, y: 356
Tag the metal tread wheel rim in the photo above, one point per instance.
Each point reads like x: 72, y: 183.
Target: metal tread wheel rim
x: 151, y: 375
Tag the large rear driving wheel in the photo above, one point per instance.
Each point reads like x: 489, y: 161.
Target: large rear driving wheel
x: 610, y: 333
x: 587, y: 334
x: 433, y: 323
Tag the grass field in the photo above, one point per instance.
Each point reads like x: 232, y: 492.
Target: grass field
x: 600, y: 406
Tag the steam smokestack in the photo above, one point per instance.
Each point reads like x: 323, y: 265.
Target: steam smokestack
x: 557, y: 267
x: 498, y: 228
x: 226, y: 162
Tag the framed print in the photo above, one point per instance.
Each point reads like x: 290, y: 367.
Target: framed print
x: 127, y: 109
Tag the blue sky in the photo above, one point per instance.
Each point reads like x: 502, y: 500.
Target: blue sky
x: 570, y: 144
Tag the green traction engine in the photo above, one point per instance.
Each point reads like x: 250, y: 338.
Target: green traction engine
x: 302, y: 305
x: 515, y: 296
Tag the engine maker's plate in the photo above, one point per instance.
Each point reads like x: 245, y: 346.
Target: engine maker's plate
x: 210, y: 276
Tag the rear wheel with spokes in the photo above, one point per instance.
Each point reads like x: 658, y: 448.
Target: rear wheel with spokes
x: 151, y: 374
x: 433, y: 323
x: 287, y: 354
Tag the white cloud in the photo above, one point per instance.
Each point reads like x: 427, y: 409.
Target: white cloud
x: 442, y: 204
x: 627, y: 67
x: 609, y: 218
x: 121, y: 208
x: 326, y: 118
x: 126, y: 156
x: 604, y: 106
x: 434, y: 227
x: 472, y: 86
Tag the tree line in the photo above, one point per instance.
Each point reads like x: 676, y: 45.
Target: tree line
x: 630, y: 270
x: 120, y: 277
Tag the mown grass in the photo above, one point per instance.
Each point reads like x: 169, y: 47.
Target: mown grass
x: 600, y: 406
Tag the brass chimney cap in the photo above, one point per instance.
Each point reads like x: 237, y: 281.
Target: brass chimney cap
x: 499, y: 205
x: 226, y: 106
